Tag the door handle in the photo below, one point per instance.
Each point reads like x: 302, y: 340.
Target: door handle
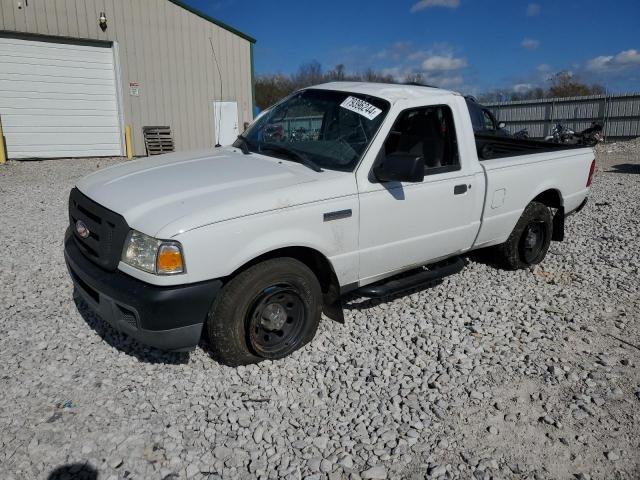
x: 460, y: 189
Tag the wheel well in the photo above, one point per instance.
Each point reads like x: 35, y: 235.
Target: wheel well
x: 316, y: 261
x: 550, y: 198
x: 553, y: 199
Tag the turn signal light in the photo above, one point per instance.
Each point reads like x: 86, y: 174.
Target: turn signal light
x: 169, y: 259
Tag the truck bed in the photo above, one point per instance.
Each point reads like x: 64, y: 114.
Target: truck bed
x: 559, y: 172
x: 490, y: 146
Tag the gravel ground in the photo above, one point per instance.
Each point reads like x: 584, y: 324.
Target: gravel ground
x: 491, y: 374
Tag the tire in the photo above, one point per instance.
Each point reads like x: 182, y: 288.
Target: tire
x: 268, y: 311
x: 530, y: 239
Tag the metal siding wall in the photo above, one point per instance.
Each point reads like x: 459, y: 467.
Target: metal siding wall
x: 620, y: 114
x: 165, y: 49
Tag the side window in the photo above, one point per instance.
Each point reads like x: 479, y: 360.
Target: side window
x: 428, y: 132
x: 475, y: 112
x: 488, y: 121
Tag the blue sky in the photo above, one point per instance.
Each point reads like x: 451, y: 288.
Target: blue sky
x: 466, y: 45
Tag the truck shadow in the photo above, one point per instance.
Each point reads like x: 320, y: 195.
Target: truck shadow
x: 76, y: 471
x: 125, y: 343
x: 484, y: 256
x: 625, y: 168
x: 353, y: 301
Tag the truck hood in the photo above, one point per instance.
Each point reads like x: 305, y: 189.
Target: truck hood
x: 167, y: 195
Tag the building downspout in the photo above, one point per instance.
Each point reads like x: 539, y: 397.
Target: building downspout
x: 253, y: 83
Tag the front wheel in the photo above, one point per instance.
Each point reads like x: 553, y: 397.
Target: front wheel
x: 268, y: 311
x: 530, y: 239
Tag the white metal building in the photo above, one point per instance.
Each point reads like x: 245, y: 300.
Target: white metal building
x: 73, y: 73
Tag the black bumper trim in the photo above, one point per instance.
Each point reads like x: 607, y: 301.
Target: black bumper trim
x: 579, y: 207
x: 169, y: 318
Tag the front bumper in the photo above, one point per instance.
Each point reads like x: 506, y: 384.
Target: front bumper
x: 169, y: 318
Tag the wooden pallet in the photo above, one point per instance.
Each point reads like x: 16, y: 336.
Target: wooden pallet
x: 158, y: 140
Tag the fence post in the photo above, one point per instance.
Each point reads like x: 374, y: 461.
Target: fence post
x: 552, y: 117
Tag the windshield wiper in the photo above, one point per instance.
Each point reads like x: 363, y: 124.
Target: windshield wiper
x: 244, y: 144
x: 295, y: 155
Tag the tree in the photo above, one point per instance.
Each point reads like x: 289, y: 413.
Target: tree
x: 564, y: 84
x: 271, y: 88
x: 370, y: 75
x: 338, y: 74
x: 497, y: 95
x: 308, y: 74
x: 414, y: 78
x: 530, y: 94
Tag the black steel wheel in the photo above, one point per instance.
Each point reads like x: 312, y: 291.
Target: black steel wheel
x: 275, y: 321
x: 530, y: 239
x: 532, y: 242
x: 269, y: 310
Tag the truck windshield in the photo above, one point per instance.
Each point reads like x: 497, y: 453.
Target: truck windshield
x: 332, y: 129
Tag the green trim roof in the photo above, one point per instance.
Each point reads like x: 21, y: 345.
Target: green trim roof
x: 213, y: 20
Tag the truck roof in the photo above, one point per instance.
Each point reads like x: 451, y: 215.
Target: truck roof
x: 388, y: 91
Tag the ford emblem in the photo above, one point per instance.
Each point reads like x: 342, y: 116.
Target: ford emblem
x: 82, y: 229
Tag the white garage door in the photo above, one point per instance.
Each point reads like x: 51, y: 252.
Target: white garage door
x: 58, y: 100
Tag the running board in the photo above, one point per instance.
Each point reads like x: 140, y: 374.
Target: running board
x: 409, y: 280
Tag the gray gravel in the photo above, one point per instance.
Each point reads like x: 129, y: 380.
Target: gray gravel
x: 492, y: 374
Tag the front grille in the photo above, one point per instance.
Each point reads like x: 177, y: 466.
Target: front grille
x: 108, y: 230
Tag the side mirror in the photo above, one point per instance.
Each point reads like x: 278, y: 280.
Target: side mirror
x: 502, y: 125
x: 400, y: 167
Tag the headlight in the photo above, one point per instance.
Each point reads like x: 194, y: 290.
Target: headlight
x: 151, y: 255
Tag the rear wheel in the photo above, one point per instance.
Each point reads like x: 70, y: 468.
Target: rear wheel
x: 530, y: 239
x: 269, y: 311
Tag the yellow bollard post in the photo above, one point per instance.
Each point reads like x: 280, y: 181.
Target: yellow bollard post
x: 128, y: 142
x: 3, y: 150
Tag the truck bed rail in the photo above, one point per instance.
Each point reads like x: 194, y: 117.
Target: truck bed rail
x: 490, y: 146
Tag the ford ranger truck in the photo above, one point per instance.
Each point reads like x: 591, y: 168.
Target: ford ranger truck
x: 346, y: 186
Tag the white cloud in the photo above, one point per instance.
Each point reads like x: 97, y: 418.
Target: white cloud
x: 530, y: 43
x: 620, y: 61
x: 628, y: 57
x: 543, y: 67
x: 443, y: 63
x: 533, y: 9
x: 522, y: 87
x: 449, y: 82
x: 396, y: 51
x: 599, y: 63
x: 424, y: 4
x: 437, y: 64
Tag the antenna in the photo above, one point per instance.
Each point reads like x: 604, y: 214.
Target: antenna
x: 219, y: 117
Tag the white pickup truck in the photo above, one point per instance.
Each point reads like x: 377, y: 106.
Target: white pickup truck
x: 345, y: 186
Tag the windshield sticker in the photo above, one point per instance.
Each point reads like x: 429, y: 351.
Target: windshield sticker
x: 360, y: 106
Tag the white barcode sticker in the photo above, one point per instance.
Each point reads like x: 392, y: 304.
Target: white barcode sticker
x: 360, y: 106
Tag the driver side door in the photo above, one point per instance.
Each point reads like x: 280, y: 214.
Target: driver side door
x: 403, y: 224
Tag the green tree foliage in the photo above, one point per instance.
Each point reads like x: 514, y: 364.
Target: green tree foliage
x: 273, y: 87
x: 562, y: 84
